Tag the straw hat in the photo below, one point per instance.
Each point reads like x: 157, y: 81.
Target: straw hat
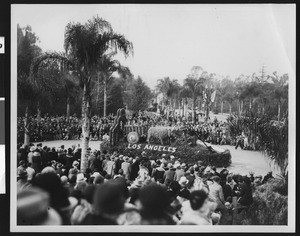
x: 80, y: 177
x: 33, y: 208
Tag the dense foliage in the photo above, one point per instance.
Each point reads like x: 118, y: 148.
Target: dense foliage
x: 270, y: 204
x: 270, y: 135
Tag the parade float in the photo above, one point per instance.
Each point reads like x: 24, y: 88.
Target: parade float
x: 176, y: 141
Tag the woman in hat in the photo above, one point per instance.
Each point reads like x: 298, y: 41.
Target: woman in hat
x: 158, y: 172
x: 126, y: 167
x: 198, y: 212
x: 36, y: 162
x: 108, y: 205
x: 22, y: 182
x: 33, y: 208
x: 154, y: 203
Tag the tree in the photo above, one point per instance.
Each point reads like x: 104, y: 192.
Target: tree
x: 85, y: 46
x: 138, y: 95
x: 170, y: 89
x: 27, y: 50
x: 280, y: 92
x: 115, y: 97
x: 194, y: 83
x: 108, y: 67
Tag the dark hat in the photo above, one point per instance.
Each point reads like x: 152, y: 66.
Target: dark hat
x: 99, y: 179
x: 154, y: 198
x: 21, y: 162
x: 51, y: 183
x: 89, y: 193
x: 108, y: 199
x: 33, y: 208
x: 22, y: 173
x: 197, y: 199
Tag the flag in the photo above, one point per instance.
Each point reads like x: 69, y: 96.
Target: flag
x: 213, y: 96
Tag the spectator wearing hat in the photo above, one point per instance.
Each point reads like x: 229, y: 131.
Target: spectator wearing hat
x: 85, y: 207
x: 69, y: 158
x: 105, y: 161
x: 126, y: 167
x: 245, y: 196
x: 30, y: 172
x: 190, y: 175
x: 111, y: 165
x: 22, y: 153
x: 53, y: 154
x: 197, y: 215
x: 22, y: 165
x: 36, y: 162
x: 108, y: 205
x: 158, y: 172
x: 118, y: 164
x: 59, y: 169
x: 22, y: 182
x: 53, y: 164
x: 30, y: 154
x: 74, y: 170
x: 216, y: 192
x: 179, y: 170
x: 119, y: 175
x: 154, y: 203
x: 184, y: 193
x: 144, y: 171
x: 91, y: 160
x: 135, y: 167
x: 33, y: 208
x: 169, y: 174
x: 59, y: 195
x: 228, y: 187
x: 98, y: 179
x: 48, y: 169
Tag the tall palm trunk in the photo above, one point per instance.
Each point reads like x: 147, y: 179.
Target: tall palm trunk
x: 222, y: 107
x: 207, y: 112
x: 38, y: 111
x: 26, y: 127
x: 185, y: 107
x: 279, y: 111
x: 194, y: 109
x: 105, y: 97
x: 242, y: 106
x: 68, y: 107
x: 86, y: 108
x: 98, y: 91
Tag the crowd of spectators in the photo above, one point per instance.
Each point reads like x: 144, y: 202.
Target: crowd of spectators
x: 53, y: 189
x: 69, y: 128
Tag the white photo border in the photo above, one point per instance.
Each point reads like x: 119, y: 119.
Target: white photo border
x: 290, y: 228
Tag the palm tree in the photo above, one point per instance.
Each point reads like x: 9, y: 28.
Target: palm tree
x: 281, y: 90
x: 195, y: 87
x: 108, y: 66
x: 85, y: 46
x: 169, y: 88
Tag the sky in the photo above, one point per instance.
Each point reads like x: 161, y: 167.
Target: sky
x: 169, y: 39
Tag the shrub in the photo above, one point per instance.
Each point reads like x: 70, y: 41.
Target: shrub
x: 269, y: 205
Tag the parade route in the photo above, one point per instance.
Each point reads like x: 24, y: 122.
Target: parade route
x: 243, y: 161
